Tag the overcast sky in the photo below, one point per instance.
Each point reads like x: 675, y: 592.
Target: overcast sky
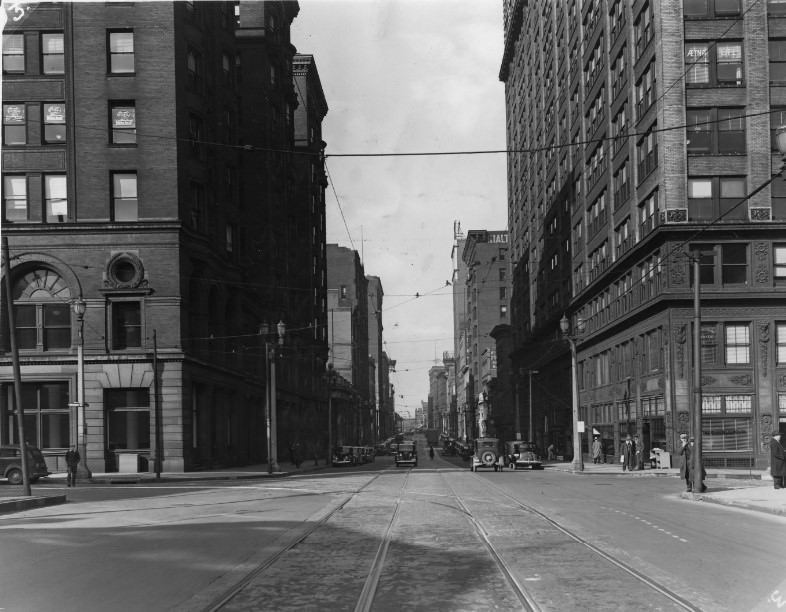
x: 410, y: 76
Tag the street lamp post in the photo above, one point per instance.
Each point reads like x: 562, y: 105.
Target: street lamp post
x: 331, y: 376
x: 83, y: 471
x: 564, y: 324
x: 531, y: 423
x: 272, y: 438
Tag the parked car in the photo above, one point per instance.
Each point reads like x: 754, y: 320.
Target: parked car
x: 522, y: 455
x: 486, y: 453
x: 343, y: 456
x: 406, y: 453
x: 11, y: 464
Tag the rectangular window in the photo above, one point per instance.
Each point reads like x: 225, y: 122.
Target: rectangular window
x: 729, y: 63
x: 777, y: 55
x: 779, y: 261
x: 55, y: 198
x: 121, y: 52
x: 738, y: 344
x: 53, y: 53
x: 780, y: 340
x: 126, y: 325
x: 15, y: 198
x: 710, y: 8
x: 14, y: 124
x: 125, y: 206
x: 713, y: 64
x: 709, y: 344
x: 193, y: 70
x: 46, y: 413
x: 57, y: 326
x: 502, y: 274
x: 503, y: 311
x: 717, y: 199
x: 734, y: 264
x: 25, y: 317
x: 776, y: 8
x: 503, y: 293
x: 127, y: 419
x: 727, y: 434
x: 54, y: 123
x: 122, y: 117
x: 777, y: 119
x: 13, y: 53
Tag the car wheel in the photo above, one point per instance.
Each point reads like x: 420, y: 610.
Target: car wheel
x: 14, y: 476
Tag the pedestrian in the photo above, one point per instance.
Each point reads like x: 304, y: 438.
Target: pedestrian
x: 596, y: 450
x: 500, y: 465
x: 72, y: 459
x: 552, y: 452
x: 431, y: 452
x: 628, y: 454
x: 685, y: 462
x: 777, y: 465
x: 638, y: 450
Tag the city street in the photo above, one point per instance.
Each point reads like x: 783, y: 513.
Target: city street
x: 378, y: 538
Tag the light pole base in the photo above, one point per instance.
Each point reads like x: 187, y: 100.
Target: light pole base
x: 273, y: 467
x: 83, y: 472
x: 577, y: 465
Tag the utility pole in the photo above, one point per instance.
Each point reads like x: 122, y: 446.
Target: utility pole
x: 698, y: 467
x: 20, y: 421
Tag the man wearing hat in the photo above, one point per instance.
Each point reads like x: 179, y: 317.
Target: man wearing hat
x: 777, y: 464
x: 685, y: 464
x: 628, y: 454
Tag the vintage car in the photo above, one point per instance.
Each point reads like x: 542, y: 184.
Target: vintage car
x: 343, y: 456
x: 406, y: 453
x: 522, y: 456
x: 11, y: 464
x: 486, y: 454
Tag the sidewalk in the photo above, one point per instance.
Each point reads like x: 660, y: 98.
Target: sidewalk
x: 743, y: 488
x: 11, y: 499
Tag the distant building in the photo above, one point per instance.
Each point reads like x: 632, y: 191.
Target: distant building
x: 484, y: 305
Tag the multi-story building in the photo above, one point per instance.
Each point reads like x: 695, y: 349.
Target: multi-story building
x: 348, y: 329
x: 486, y: 300
x: 641, y: 139
x: 148, y: 181
x: 438, y: 398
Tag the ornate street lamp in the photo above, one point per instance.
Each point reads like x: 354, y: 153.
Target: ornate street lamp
x: 80, y: 307
x: 564, y: 325
x: 270, y: 357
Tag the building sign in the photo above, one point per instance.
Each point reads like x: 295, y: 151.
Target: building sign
x: 16, y: 12
x: 498, y: 237
x: 123, y: 118
x: 13, y: 114
x: 54, y: 113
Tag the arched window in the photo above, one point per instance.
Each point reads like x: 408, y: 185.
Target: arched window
x: 42, y: 311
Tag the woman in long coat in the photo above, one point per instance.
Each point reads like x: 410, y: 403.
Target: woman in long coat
x: 685, y: 464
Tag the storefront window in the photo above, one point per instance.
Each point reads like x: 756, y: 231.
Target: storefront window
x: 47, y: 416
x: 727, y: 434
x: 128, y: 419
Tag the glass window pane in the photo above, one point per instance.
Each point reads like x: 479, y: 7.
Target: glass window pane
x: 699, y: 188
x: 52, y: 43
x: 125, y: 185
x: 697, y: 63
x: 121, y: 42
x: 732, y: 188
x: 55, y: 430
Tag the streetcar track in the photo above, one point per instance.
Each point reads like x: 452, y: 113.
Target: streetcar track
x: 641, y: 577
x: 527, y: 601
x: 367, y: 594
x: 222, y: 600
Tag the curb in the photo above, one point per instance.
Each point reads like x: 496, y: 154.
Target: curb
x: 731, y: 503
x: 28, y: 503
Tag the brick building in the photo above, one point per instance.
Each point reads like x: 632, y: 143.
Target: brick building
x: 149, y: 173
x: 641, y: 134
x: 486, y: 294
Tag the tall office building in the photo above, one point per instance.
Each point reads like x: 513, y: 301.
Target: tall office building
x: 641, y: 141
x: 160, y: 215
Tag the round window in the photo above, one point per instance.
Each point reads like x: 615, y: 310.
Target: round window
x: 125, y: 271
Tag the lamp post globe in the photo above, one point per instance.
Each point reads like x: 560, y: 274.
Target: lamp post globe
x: 780, y: 139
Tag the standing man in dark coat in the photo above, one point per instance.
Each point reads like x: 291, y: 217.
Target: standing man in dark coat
x: 685, y: 463
x: 777, y: 464
x: 628, y: 454
x: 72, y: 462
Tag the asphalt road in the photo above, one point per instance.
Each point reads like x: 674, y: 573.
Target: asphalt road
x: 390, y: 539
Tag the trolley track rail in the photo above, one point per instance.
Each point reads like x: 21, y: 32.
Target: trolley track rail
x: 628, y: 569
x: 218, y: 603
